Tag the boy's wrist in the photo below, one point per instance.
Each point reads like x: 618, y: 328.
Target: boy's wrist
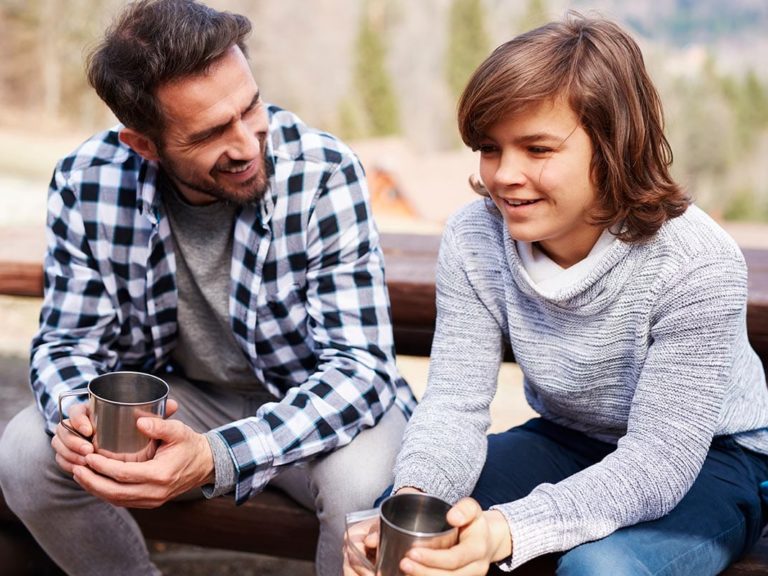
x: 500, y: 535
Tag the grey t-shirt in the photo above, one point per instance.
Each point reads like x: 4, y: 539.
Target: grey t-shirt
x: 206, y: 348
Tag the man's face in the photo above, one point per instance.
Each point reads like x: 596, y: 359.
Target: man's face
x: 214, y: 142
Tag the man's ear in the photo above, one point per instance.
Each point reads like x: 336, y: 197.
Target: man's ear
x: 143, y: 145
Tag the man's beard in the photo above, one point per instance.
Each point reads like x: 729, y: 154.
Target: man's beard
x: 248, y: 192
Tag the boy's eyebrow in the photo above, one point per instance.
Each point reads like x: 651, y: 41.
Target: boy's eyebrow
x: 527, y: 138
x: 539, y: 136
x: 205, y: 132
x: 546, y: 136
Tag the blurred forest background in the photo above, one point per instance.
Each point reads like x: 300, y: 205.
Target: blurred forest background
x: 391, y: 71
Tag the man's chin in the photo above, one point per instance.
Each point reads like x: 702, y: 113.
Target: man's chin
x: 243, y: 197
x: 248, y: 193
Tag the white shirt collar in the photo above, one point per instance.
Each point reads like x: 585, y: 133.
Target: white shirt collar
x: 548, y: 277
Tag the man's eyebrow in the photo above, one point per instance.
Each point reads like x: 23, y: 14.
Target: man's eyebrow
x: 204, y: 133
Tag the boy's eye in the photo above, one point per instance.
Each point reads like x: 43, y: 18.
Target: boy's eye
x: 486, y: 148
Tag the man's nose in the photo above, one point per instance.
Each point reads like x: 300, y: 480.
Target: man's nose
x: 245, y: 143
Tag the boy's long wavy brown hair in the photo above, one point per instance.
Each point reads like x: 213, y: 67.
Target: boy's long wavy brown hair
x: 598, y: 68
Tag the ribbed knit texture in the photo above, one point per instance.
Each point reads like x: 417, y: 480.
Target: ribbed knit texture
x: 649, y: 351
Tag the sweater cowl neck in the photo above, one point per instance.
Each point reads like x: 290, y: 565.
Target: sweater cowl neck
x: 589, y: 294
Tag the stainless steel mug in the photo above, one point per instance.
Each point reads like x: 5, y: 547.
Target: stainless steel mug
x: 115, y: 401
x: 406, y: 521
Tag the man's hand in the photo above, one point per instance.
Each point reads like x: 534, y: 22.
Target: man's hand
x: 70, y: 448
x: 483, y: 538
x: 183, y: 461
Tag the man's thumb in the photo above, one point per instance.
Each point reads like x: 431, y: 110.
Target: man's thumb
x: 156, y: 428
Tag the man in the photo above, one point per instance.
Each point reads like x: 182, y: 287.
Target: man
x: 223, y: 244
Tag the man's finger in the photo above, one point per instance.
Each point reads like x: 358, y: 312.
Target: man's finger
x: 117, y: 493
x: 78, y: 419
x: 72, y: 441
x: 64, y: 464
x: 63, y: 451
x: 123, y: 472
x: 171, y: 406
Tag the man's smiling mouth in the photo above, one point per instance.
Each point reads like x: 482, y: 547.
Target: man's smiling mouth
x: 236, y: 169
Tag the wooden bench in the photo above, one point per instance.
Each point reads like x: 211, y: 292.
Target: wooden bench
x: 272, y: 523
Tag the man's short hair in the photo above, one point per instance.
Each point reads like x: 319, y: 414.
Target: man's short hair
x: 153, y: 42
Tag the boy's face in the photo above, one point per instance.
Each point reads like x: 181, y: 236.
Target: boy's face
x: 214, y: 143
x: 536, y: 164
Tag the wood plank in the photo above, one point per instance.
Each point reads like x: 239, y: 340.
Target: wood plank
x: 21, y: 260
x: 410, y: 272
x: 21, y: 278
x: 270, y: 523
x: 753, y: 564
x: 757, y: 310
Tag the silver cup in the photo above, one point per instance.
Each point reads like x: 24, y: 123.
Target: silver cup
x: 406, y: 521
x: 115, y: 401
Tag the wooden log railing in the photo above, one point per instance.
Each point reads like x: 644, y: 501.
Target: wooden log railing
x: 410, y: 264
x: 272, y: 523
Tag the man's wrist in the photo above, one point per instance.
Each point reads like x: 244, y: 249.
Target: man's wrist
x: 209, y: 469
x: 225, y: 474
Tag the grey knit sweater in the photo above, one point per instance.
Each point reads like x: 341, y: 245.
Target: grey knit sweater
x: 649, y: 351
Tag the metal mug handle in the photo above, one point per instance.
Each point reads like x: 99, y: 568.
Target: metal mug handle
x: 61, y: 412
x: 351, y: 519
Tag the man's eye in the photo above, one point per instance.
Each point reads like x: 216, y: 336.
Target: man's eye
x: 207, y: 136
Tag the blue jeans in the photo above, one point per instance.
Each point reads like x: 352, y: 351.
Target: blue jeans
x: 718, y: 521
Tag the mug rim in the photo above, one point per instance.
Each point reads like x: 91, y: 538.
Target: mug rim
x: 130, y: 372
x: 414, y: 533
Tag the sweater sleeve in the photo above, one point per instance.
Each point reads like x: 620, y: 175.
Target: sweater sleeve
x: 673, y: 415
x: 444, y: 447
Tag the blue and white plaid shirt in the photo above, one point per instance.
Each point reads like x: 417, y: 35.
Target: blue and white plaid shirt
x: 308, y: 303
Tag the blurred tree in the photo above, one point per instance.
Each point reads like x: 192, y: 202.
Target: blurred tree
x: 351, y: 123
x: 743, y: 204
x: 42, y: 51
x: 748, y: 98
x: 468, y: 42
x: 702, y: 137
x: 380, y: 115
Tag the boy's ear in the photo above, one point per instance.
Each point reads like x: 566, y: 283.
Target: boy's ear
x: 143, y: 145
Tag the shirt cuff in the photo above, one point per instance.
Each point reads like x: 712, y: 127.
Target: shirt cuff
x: 421, y: 472
x: 530, y: 523
x: 224, y: 468
x: 251, y: 450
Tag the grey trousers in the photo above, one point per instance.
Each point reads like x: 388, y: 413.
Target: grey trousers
x: 87, y: 536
